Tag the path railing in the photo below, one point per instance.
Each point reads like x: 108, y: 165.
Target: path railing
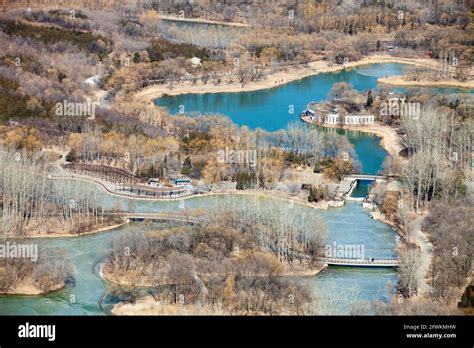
x: 126, y: 190
x: 372, y: 262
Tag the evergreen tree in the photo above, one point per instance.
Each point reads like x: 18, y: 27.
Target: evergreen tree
x: 370, y: 99
x: 187, y: 166
x: 261, y: 180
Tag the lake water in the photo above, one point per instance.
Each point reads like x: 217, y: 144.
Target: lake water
x: 274, y: 108
x: 268, y: 109
x: 346, y: 225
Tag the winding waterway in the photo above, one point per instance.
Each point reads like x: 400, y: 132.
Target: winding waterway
x: 347, y: 225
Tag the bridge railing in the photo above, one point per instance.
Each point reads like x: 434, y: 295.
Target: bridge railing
x: 382, y: 261
x: 158, y: 215
x: 364, y: 176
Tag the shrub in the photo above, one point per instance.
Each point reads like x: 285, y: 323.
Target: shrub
x: 162, y: 49
x: 316, y: 193
x: 246, y: 180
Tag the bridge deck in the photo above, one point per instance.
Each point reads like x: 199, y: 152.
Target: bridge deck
x: 156, y: 216
x: 360, y: 262
x: 327, y: 260
x: 366, y: 177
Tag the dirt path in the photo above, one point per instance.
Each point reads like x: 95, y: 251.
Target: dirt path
x: 418, y: 237
x: 402, y: 81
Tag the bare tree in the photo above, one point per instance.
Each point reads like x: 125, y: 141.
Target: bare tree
x: 409, y: 270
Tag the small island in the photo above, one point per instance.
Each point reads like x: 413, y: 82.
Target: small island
x: 219, y: 264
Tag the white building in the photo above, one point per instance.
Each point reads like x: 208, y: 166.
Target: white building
x: 93, y: 80
x: 359, y: 119
x: 331, y: 119
x: 355, y: 120
x: 328, y: 114
x: 155, y: 182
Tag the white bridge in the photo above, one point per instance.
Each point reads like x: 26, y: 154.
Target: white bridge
x: 158, y: 216
x: 372, y: 262
x: 351, y: 262
x: 378, y: 178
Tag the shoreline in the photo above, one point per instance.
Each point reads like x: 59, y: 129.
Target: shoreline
x: 150, y: 93
x: 390, y: 140
x: 29, y: 289
x: 118, y: 279
x: 148, y: 306
x: 73, y: 235
x: 401, y: 81
x: 102, y: 185
x: 115, y: 226
x: 103, y: 188
x: 145, y: 304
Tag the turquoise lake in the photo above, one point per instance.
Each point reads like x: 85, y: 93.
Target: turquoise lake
x: 349, y: 224
x: 274, y: 108
x: 268, y: 109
